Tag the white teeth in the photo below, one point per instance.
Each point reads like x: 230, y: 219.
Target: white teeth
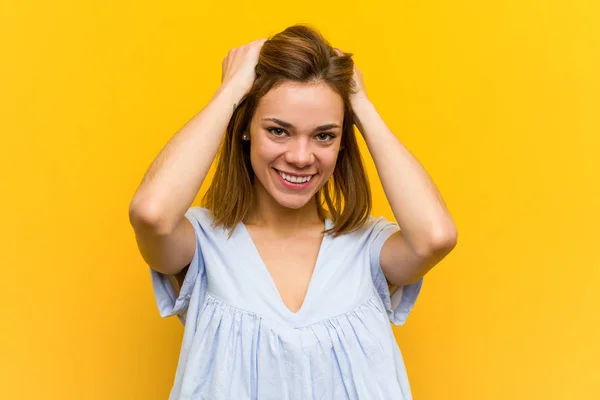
x: 295, y: 179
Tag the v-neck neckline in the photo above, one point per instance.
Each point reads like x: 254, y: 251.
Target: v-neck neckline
x: 260, y: 262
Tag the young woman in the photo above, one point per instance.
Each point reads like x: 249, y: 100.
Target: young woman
x: 283, y: 279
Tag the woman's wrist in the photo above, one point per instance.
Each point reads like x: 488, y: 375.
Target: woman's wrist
x: 230, y: 93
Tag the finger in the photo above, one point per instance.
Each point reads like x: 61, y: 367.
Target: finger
x: 260, y: 42
x: 223, y: 67
x: 257, y: 41
x: 230, y: 58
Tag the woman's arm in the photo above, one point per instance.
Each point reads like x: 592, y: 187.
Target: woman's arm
x: 428, y: 232
x: 174, y: 178
x: 172, y: 182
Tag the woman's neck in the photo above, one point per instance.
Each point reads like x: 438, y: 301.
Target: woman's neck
x: 268, y: 213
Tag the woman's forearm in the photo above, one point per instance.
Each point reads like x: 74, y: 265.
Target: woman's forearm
x: 413, y: 197
x: 174, y: 178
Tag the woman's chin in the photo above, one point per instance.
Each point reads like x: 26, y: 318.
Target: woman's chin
x: 293, y: 202
x: 293, y: 205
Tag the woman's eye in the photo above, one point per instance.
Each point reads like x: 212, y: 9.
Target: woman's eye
x: 325, y: 136
x: 276, y: 131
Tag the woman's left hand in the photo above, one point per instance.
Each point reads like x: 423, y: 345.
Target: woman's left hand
x: 361, y: 93
x: 359, y: 98
x: 360, y: 85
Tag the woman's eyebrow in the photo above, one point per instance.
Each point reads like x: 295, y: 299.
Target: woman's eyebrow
x: 290, y: 126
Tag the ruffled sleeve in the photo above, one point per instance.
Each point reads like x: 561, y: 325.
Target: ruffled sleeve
x: 168, y: 301
x: 399, y: 302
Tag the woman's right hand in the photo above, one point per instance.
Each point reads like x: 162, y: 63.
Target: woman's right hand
x: 238, y: 68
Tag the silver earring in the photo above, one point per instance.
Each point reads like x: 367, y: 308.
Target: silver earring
x: 245, y: 137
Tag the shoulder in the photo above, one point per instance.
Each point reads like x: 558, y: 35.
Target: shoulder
x: 373, y: 229
x: 378, y: 225
x: 200, y: 214
x: 203, y: 221
x: 373, y: 226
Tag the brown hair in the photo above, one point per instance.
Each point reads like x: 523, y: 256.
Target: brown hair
x: 297, y: 54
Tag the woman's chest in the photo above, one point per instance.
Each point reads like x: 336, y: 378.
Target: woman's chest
x: 294, y: 281
x: 290, y: 264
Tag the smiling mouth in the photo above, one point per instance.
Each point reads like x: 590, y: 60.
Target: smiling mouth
x: 293, y: 178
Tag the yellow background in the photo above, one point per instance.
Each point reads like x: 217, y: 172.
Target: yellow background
x: 498, y: 100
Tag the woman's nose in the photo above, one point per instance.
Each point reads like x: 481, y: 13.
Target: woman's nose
x: 299, y: 154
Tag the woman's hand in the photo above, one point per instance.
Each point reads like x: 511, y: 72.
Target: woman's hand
x: 359, y: 83
x: 359, y: 98
x: 238, y: 68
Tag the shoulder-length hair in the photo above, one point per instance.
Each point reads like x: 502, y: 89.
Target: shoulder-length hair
x: 297, y: 54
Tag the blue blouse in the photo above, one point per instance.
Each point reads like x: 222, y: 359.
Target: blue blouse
x: 242, y: 342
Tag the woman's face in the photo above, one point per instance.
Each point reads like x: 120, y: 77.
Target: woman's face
x: 295, y: 137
